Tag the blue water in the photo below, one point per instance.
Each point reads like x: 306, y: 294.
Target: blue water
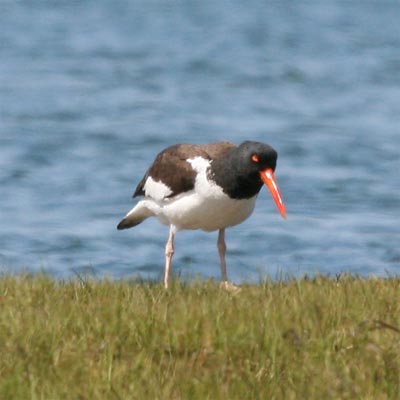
x: 90, y: 91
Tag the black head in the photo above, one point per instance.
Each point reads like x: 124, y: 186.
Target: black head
x: 239, y: 173
x: 253, y: 157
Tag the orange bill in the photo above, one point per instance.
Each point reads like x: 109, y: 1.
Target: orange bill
x: 268, y: 177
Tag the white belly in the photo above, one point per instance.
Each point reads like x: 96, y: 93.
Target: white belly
x: 192, y: 211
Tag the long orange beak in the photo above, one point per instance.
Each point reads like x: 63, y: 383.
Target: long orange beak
x: 268, y: 177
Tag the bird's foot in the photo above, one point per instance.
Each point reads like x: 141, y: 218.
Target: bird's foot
x: 230, y: 287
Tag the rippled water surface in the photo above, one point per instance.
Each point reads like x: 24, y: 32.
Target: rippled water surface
x: 90, y: 91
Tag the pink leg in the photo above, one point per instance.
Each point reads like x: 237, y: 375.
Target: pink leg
x: 169, y: 252
x: 222, y: 250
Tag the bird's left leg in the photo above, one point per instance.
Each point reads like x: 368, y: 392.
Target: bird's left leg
x: 222, y: 251
x: 169, y: 252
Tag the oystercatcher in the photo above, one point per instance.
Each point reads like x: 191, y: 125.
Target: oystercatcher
x: 209, y: 187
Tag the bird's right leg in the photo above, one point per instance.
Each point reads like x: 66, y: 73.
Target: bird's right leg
x: 169, y: 252
x: 229, y: 286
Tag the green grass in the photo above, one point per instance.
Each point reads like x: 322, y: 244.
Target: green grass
x: 298, y: 339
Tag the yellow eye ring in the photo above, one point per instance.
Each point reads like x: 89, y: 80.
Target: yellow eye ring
x: 255, y: 158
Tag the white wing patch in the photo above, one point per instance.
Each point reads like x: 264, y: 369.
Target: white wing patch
x: 156, y: 190
x: 204, y: 186
x: 199, y: 164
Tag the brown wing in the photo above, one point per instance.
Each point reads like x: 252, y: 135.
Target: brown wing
x: 171, y: 168
x: 217, y: 149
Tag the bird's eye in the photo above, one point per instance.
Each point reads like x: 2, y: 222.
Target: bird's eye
x: 255, y: 158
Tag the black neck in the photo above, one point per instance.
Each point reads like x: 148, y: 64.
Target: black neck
x: 234, y: 181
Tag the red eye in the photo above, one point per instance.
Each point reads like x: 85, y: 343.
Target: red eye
x: 255, y: 158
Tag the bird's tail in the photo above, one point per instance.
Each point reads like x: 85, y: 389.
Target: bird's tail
x: 134, y: 217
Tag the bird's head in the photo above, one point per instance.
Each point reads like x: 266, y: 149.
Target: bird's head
x: 259, y: 161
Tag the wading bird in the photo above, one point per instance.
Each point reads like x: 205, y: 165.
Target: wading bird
x: 209, y: 187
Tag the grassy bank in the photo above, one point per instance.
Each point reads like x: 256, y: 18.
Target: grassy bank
x: 305, y: 339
